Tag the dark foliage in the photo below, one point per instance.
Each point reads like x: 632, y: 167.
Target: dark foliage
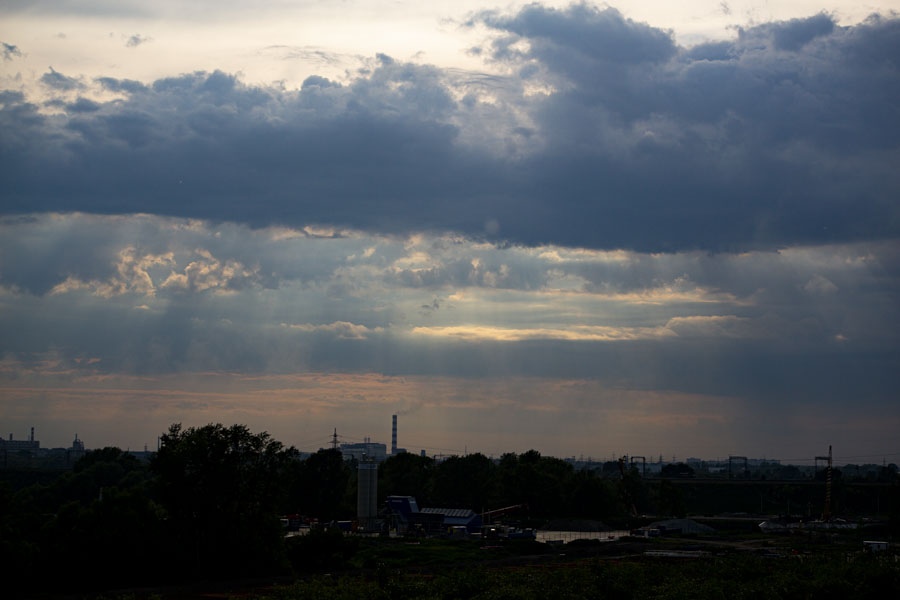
x: 100, y: 513
x: 407, y: 474
x: 546, y: 487
x: 221, y: 489
x: 321, y: 491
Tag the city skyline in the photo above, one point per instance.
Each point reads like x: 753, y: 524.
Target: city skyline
x: 576, y: 228
x: 353, y: 447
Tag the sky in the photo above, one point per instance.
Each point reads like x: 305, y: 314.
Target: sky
x: 643, y: 228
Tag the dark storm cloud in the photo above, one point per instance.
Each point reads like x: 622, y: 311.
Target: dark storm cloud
x: 794, y: 34
x: 566, y: 39
x: 606, y: 135
x: 726, y: 145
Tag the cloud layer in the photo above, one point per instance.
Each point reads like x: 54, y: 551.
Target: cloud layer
x: 87, y: 299
x: 601, y: 133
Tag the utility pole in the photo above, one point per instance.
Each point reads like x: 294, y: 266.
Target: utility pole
x: 334, y: 440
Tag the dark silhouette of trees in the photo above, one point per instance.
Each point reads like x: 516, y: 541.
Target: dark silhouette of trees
x: 548, y: 486
x: 670, y: 500
x: 323, y: 481
x: 594, y: 498
x: 407, y: 474
x: 100, y: 513
x: 677, y: 470
x: 545, y: 484
x: 466, y: 482
x: 221, y: 488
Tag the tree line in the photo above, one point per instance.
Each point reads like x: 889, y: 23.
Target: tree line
x: 208, y: 505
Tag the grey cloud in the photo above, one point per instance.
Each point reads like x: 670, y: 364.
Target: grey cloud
x: 318, y: 82
x: 796, y: 33
x: 309, y: 54
x: 11, y: 51
x: 121, y: 85
x: 786, y: 135
x: 580, y: 33
x: 729, y: 125
x: 83, y: 105
x: 136, y: 40
x: 58, y: 81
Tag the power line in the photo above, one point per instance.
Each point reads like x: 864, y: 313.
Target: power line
x: 838, y: 457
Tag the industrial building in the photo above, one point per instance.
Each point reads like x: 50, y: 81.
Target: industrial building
x: 29, y: 445
x: 367, y: 450
x: 407, y: 518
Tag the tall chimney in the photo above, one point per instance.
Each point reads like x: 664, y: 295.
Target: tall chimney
x: 394, y: 435
x: 31, y: 439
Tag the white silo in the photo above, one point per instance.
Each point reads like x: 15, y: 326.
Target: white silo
x: 367, y: 494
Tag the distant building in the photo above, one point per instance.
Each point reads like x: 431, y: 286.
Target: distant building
x: 367, y: 450
x: 13, y: 446
x: 407, y: 518
x: 76, y: 451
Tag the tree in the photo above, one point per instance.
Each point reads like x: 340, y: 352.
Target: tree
x: 323, y: 480
x: 670, y: 500
x: 221, y: 488
x: 406, y: 474
x: 100, y: 513
x: 677, y: 470
x: 593, y: 497
x: 544, y: 483
x: 466, y: 482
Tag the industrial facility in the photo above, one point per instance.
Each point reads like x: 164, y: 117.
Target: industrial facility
x: 29, y: 445
x: 367, y: 450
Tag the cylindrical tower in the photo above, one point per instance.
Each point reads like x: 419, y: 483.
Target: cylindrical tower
x: 394, y: 435
x: 367, y: 494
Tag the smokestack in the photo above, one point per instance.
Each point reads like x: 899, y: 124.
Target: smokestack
x: 31, y: 439
x: 394, y: 435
